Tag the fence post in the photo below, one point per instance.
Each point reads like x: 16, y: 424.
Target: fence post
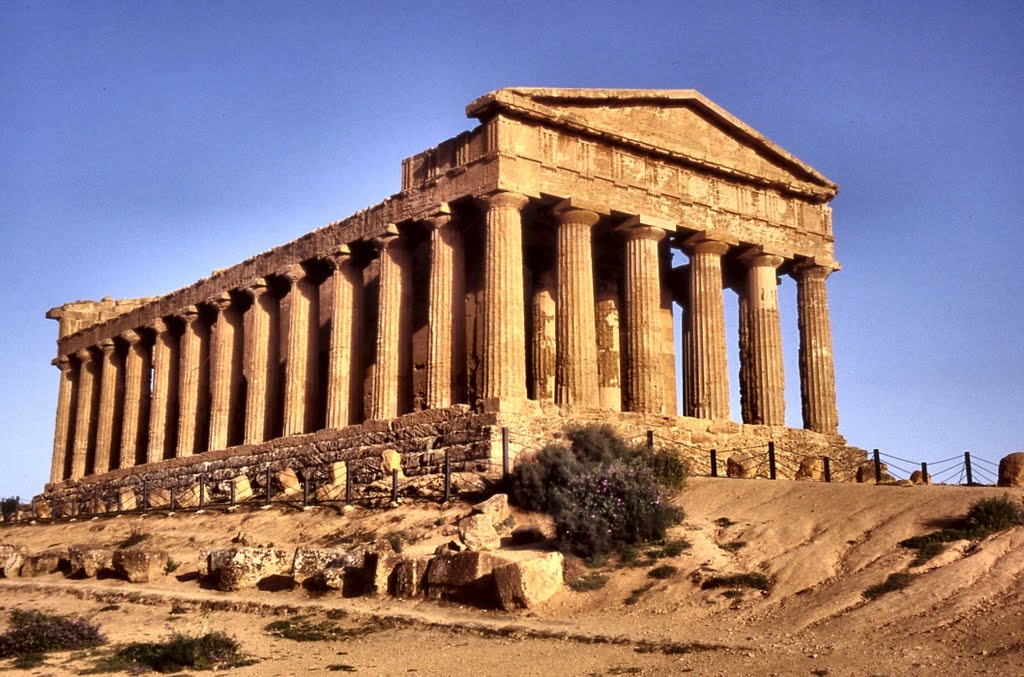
x: 145, y: 496
x: 394, y: 485
x: 771, y: 460
x: 828, y: 468
x: 504, y: 455
x: 650, y: 439
x: 967, y: 465
x: 233, y: 492
x: 924, y: 473
x: 714, y: 463
x: 305, y: 491
x: 202, y: 491
x: 348, y: 482
x: 447, y: 476
x: 878, y: 466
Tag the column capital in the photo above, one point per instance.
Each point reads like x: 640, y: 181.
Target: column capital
x: 61, y: 362
x: 708, y: 242
x: 293, y: 273
x: 106, y: 345
x: 644, y: 227
x: 574, y: 212
x: 158, y: 326
x: 760, y: 259
x: 386, y: 239
x: 131, y: 337
x: 188, y: 314
x: 813, y: 269
x: 256, y: 288
x: 221, y: 301
x: 337, y: 256
x: 439, y: 218
x: 505, y: 199
x: 84, y: 356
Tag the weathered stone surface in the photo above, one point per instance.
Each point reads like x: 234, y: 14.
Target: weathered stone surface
x: 529, y: 583
x: 12, y: 557
x: 917, y: 477
x: 460, y: 568
x: 310, y: 561
x: 380, y: 574
x: 866, y: 472
x: 158, y: 497
x: 287, y: 482
x: 410, y: 576
x: 126, y: 500
x: 89, y: 560
x: 497, y: 511
x: 391, y: 460
x: 240, y: 568
x: 330, y: 492
x: 43, y: 563
x: 331, y: 578
x: 243, y: 489
x: 743, y: 465
x: 189, y: 496
x: 42, y: 508
x: 478, y: 533
x: 1011, y: 470
x: 140, y: 565
x: 811, y: 468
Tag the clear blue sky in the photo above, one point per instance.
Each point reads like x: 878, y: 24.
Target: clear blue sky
x: 144, y: 144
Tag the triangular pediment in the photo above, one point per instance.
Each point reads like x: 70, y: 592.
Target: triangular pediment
x: 681, y: 123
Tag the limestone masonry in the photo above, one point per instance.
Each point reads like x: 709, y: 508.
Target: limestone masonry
x: 521, y: 277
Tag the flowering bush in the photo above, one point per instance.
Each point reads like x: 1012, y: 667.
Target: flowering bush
x: 36, y: 632
x: 603, y: 493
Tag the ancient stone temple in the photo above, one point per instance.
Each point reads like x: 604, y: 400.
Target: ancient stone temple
x: 523, y: 276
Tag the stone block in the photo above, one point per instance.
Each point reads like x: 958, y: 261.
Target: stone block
x: 460, y: 568
x: 43, y: 508
x: 287, y: 482
x: 477, y: 533
x: 97, y: 506
x: 496, y: 509
x: 308, y: 561
x: 330, y: 492
x: 811, y: 468
x: 127, y: 501
x: 241, y: 568
x: 917, y: 477
x: 243, y: 489
x: 12, y: 557
x: 139, y: 565
x: 391, y: 460
x: 380, y: 572
x: 90, y: 560
x: 743, y: 465
x: 158, y: 497
x: 43, y: 563
x: 337, y: 472
x: 866, y: 472
x: 188, y: 497
x: 1011, y: 470
x: 526, y: 584
x: 410, y: 577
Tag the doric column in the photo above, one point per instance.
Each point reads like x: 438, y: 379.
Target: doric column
x: 817, y: 368
x: 576, y: 357
x: 105, y: 439
x: 300, y: 386
x: 392, y: 301
x: 188, y: 382
x: 543, y: 341
x: 446, y: 339
x: 136, y: 397
x: 258, y: 364
x: 162, y: 419
x: 344, y: 382
x: 61, y: 436
x: 644, y: 381
x: 503, y: 359
x: 767, y: 377
x: 743, y: 308
x: 222, y: 379
x: 707, y: 380
x: 85, y: 416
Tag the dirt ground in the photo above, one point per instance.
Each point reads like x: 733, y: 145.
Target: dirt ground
x: 821, y: 544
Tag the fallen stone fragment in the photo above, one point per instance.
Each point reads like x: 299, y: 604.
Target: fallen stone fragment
x: 12, y: 557
x: 496, y: 509
x: 742, y: 465
x: 465, y: 576
x: 866, y: 472
x: 1011, y: 470
x: 811, y: 468
x: 42, y: 563
x: 529, y: 583
x: 478, y: 533
x: 88, y: 560
x: 138, y: 565
x: 308, y: 561
x: 240, y: 568
x: 410, y: 575
x: 917, y: 477
x: 287, y: 482
x: 243, y: 489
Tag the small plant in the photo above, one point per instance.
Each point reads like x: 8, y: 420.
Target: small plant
x: 732, y: 593
x: 724, y: 522
x: 663, y: 572
x: 133, y: 538
x: 635, y: 595
x: 398, y: 540
x: 307, y: 629
x: 896, y: 581
x: 110, y: 607
x: 676, y: 547
x: 178, y: 609
x: 733, y: 546
x: 589, y: 582
x: 754, y: 579
x: 170, y: 566
x: 32, y: 634
x: 994, y: 514
x: 212, y: 651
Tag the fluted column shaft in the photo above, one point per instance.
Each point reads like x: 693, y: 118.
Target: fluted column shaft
x: 817, y: 367
x: 344, y: 382
x: 136, y: 397
x: 222, y: 346
x: 300, y: 374
x: 707, y: 380
x: 767, y: 376
x: 746, y: 397
x: 189, y: 382
x: 161, y: 418
x: 105, y: 440
x: 644, y: 381
x: 446, y: 339
x: 61, y: 435
x: 258, y: 364
x: 543, y: 341
x: 88, y: 366
x: 575, y: 329
x: 387, y: 373
x: 503, y: 362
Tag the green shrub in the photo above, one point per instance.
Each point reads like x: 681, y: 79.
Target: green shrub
x: 589, y: 582
x: 663, y: 572
x: 634, y: 597
x: 603, y: 493
x: 133, y: 538
x: 676, y: 547
x: 896, y: 581
x: 34, y: 633
x: 214, y: 650
x: 994, y: 514
x: 733, y: 546
x: 754, y: 579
